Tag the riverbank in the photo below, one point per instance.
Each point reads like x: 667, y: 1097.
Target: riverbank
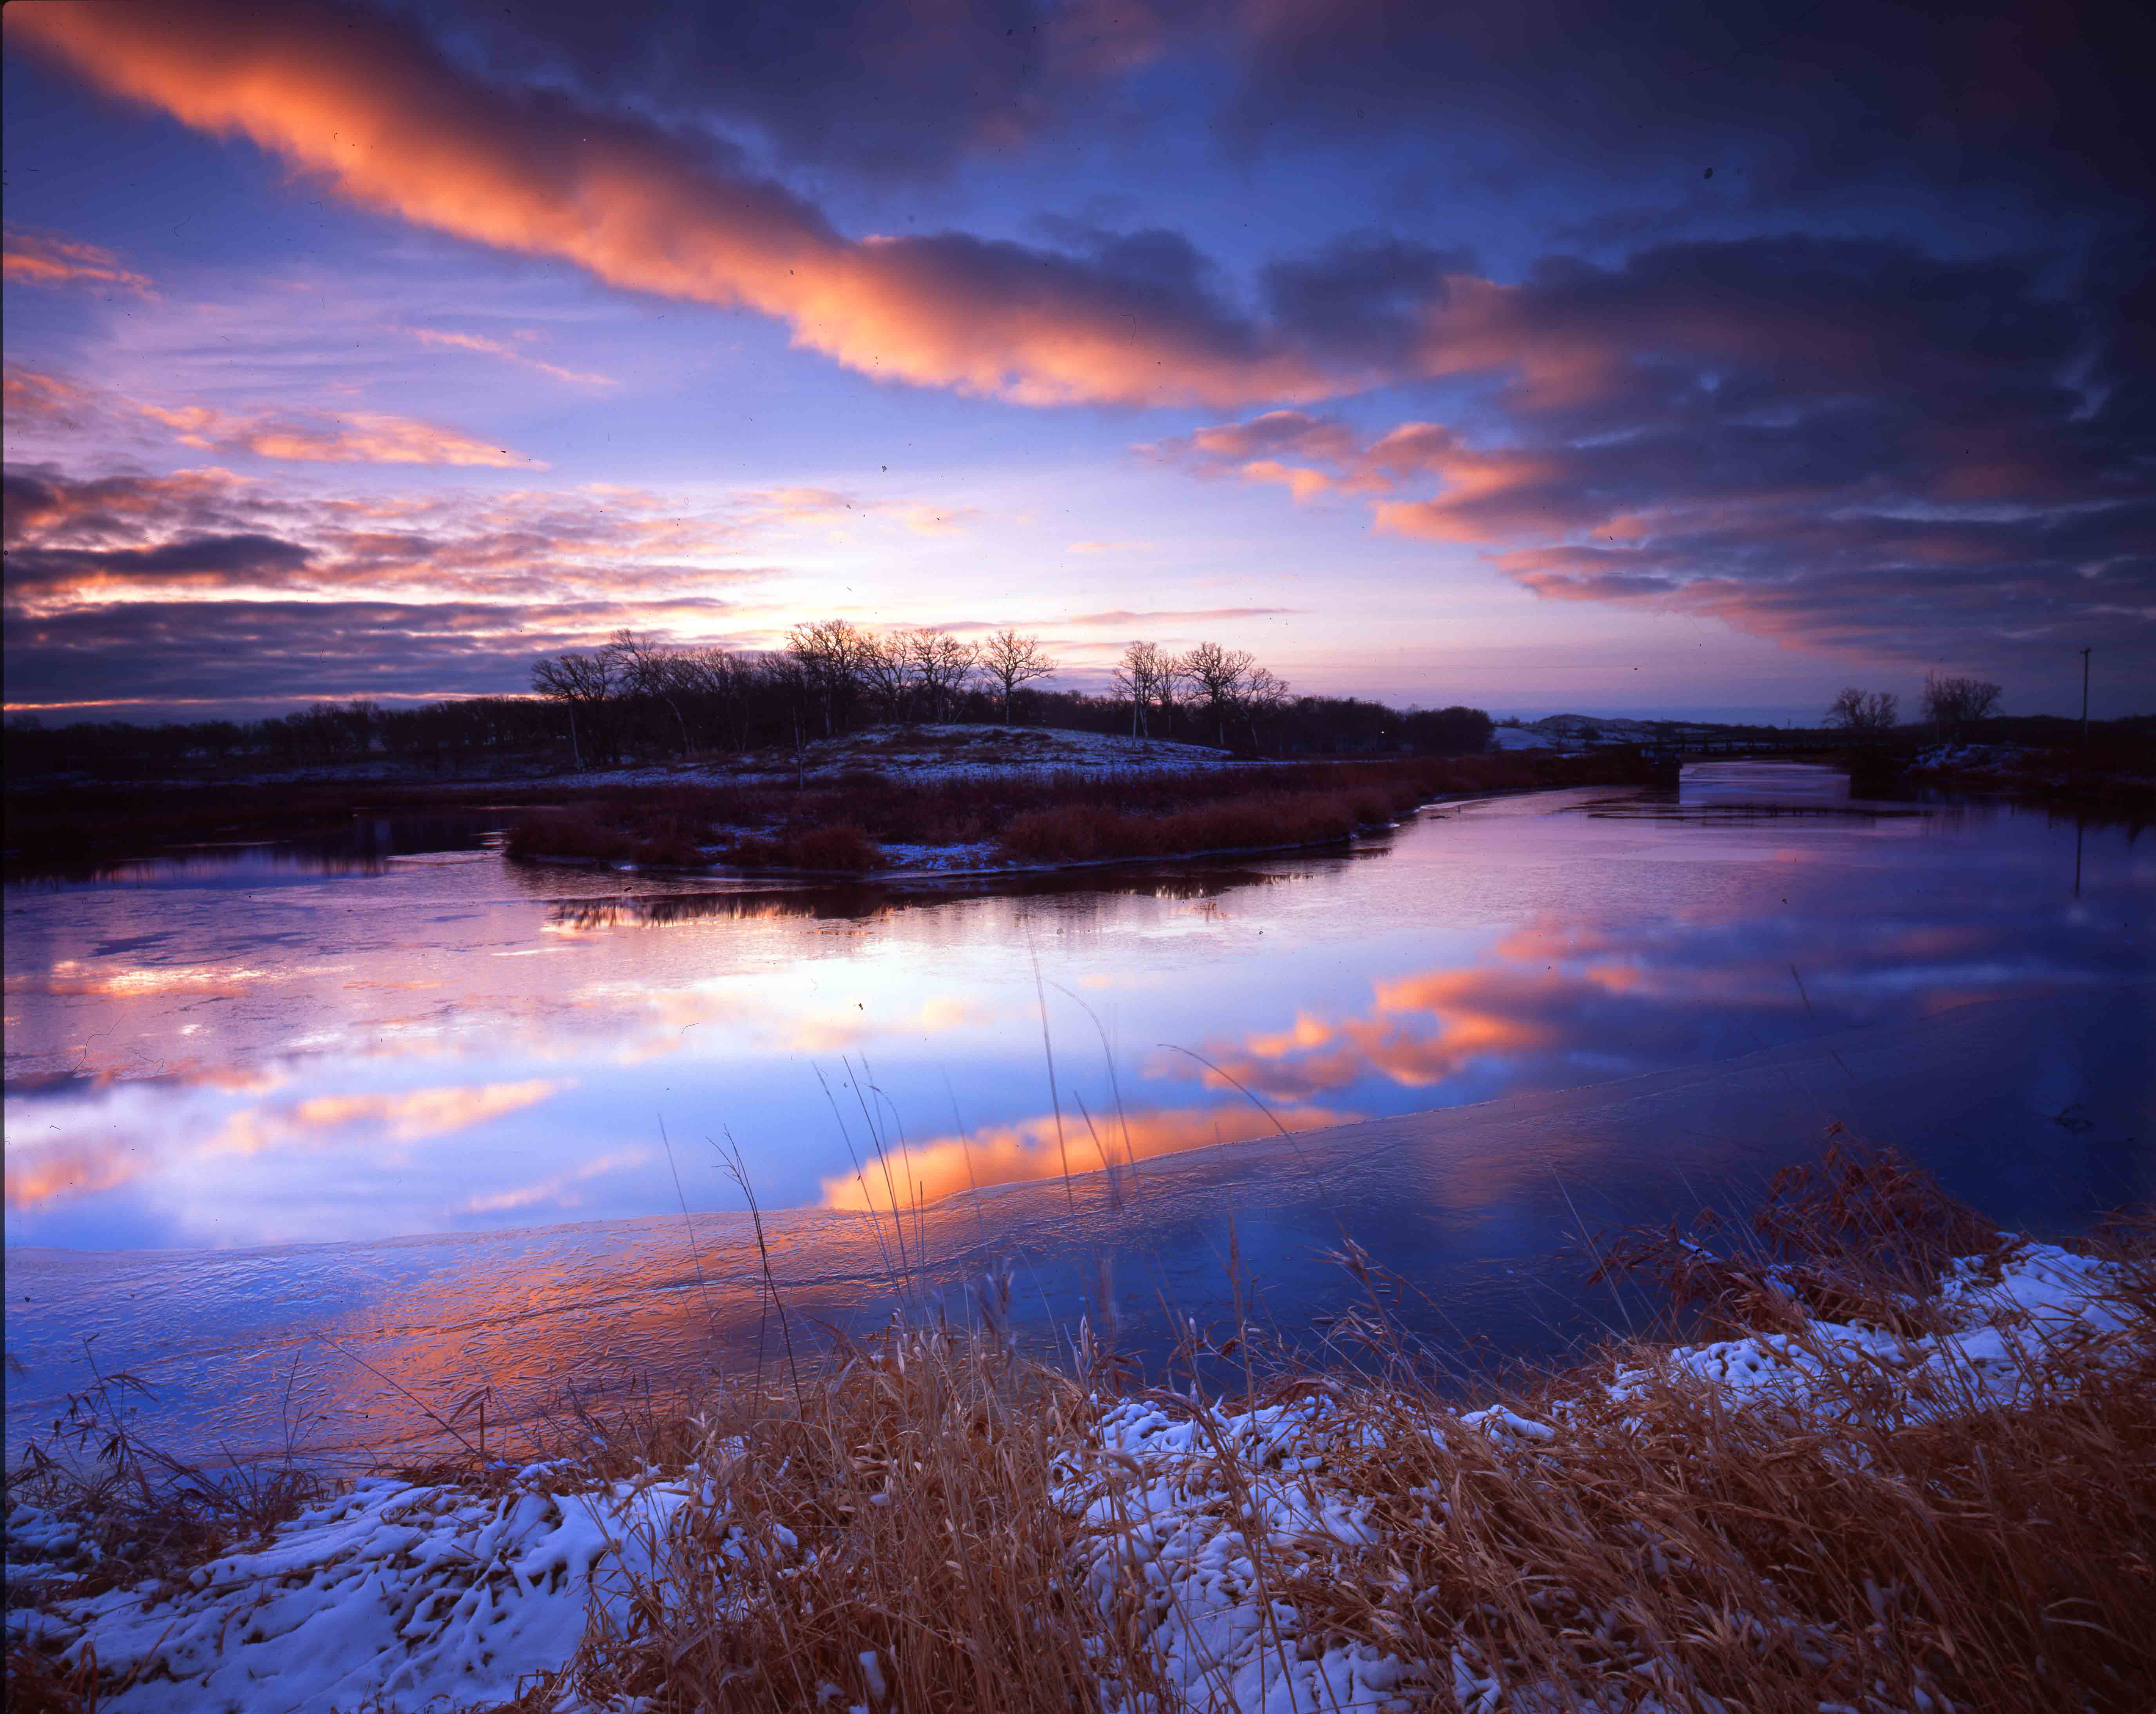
x: 2112, y: 780
x: 916, y: 798
x: 1817, y: 1483
x: 869, y: 822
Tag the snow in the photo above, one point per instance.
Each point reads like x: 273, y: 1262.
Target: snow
x: 1976, y: 757
x: 901, y: 857
x: 2001, y: 1329
x: 418, y: 1595
x: 409, y: 1594
x: 916, y: 752
x: 923, y: 754
x: 926, y: 752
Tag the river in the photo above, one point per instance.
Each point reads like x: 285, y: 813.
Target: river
x: 395, y: 1107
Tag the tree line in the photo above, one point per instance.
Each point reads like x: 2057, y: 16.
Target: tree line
x: 636, y: 697
x: 1952, y: 705
x: 832, y: 676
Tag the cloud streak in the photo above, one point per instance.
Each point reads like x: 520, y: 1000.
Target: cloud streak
x: 392, y: 125
x: 46, y: 259
x: 478, y: 342
x: 1838, y: 444
x: 191, y: 587
x: 51, y: 403
x: 332, y: 438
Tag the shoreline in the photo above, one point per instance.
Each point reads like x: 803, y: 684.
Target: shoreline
x: 688, y: 823
x: 587, y: 1296
x: 1835, y: 1362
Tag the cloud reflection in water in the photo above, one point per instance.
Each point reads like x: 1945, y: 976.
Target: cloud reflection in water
x: 441, y: 1047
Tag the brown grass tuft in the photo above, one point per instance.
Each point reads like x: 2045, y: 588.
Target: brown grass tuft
x: 932, y: 1523
x: 891, y: 1538
x: 1900, y: 1545
x: 837, y: 846
x: 1077, y: 833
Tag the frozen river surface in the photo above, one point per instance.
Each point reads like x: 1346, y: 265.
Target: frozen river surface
x: 398, y: 1121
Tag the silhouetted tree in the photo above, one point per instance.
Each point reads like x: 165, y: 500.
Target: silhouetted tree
x: 1139, y: 676
x: 1954, y: 703
x: 941, y: 665
x: 1866, y: 714
x: 1218, y: 674
x: 585, y: 681
x: 1012, y: 661
x: 831, y: 654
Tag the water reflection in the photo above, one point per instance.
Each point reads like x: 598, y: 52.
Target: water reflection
x: 857, y: 901
x: 450, y: 1041
x: 359, y: 845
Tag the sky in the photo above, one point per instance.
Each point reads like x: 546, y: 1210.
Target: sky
x: 1669, y: 359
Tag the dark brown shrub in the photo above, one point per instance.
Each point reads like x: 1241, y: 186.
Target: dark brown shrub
x: 839, y: 846
x: 1078, y: 832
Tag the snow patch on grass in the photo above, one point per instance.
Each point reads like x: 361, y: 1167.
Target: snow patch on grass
x: 1207, y: 1528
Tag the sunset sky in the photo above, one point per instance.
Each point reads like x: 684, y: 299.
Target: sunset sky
x: 1543, y: 355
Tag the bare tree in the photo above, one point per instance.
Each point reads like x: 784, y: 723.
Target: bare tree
x: 1012, y: 661
x: 1263, y: 692
x: 1219, y: 674
x: 1168, y: 688
x: 1952, y: 703
x: 886, y: 666
x: 717, y: 685
x: 1138, y: 677
x: 648, y: 670
x: 1865, y: 713
x: 941, y: 664
x: 829, y: 653
x: 585, y: 681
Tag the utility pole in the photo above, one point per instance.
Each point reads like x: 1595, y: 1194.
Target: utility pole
x: 2085, y: 655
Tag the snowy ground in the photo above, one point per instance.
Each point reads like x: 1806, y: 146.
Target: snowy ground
x: 947, y: 751
x: 420, y: 1596
x: 916, y: 752
x: 925, y: 753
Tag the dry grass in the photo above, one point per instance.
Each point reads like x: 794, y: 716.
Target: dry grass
x: 1089, y: 831
x: 69, y: 830
x: 838, y: 845
x: 1989, y: 1560
x: 892, y: 1539
x: 142, y: 1516
x: 934, y: 1523
x: 1901, y: 1544
x: 611, y: 831
x: 840, y: 824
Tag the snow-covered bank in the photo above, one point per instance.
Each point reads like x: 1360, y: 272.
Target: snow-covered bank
x: 396, y: 1595
x: 1317, y: 1551
x: 925, y: 752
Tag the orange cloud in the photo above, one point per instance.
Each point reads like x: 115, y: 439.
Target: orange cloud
x: 46, y: 401
x: 333, y: 437
x: 46, y: 258
x: 113, y: 1152
x: 1018, y: 1153
x: 78, y: 1167
x: 496, y: 348
x: 399, y: 1116
x: 647, y: 560
x: 1301, y: 483
x: 941, y: 520
x: 393, y: 125
x: 556, y: 1192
